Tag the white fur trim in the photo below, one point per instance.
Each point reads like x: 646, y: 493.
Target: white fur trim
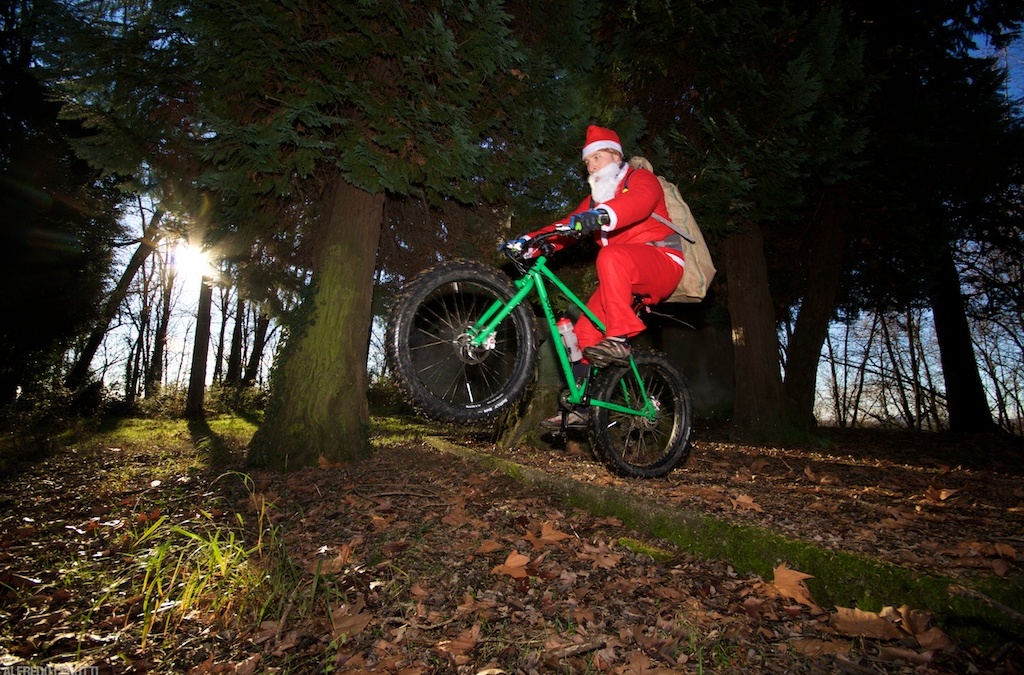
x: 601, y: 145
x: 613, y: 217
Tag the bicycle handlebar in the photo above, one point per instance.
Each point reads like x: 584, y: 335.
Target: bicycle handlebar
x: 539, y: 241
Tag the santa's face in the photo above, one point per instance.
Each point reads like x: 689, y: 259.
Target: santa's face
x: 598, y: 160
x: 604, y: 180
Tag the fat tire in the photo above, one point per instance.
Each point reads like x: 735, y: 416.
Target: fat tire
x: 440, y: 376
x: 631, y: 445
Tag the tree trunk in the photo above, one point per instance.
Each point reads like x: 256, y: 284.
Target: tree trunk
x: 196, y: 398
x: 758, y: 413
x: 804, y: 353
x: 155, y: 374
x: 150, y: 237
x: 318, y: 410
x: 233, y: 374
x: 259, y: 343
x: 218, y: 364
x: 965, y: 394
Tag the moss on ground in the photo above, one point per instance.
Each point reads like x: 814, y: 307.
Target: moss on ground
x: 986, y: 615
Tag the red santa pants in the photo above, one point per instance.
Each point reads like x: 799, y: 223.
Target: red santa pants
x: 625, y: 270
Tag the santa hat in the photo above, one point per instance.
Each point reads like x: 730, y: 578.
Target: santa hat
x: 599, y: 138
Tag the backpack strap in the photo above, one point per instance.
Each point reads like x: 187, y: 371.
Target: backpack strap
x: 660, y: 219
x: 666, y: 221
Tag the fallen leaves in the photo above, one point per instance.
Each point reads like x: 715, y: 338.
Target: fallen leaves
x: 548, y: 536
x: 441, y: 567
x: 939, y: 494
x: 858, y: 623
x: 746, y: 502
x: 790, y: 584
x: 350, y: 620
x: 463, y: 644
x: 514, y: 566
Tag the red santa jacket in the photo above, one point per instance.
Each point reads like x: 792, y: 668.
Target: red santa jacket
x: 637, y: 196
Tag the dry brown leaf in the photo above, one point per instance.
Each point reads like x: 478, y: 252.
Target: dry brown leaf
x: 601, y: 556
x: 790, y: 584
x: 917, y: 623
x: 939, y: 495
x: 489, y: 546
x: 1005, y: 550
x: 858, y: 623
x: 349, y: 620
x: 746, y: 502
x: 514, y: 566
x: 248, y: 666
x: 456, y: 517
x: 890, y: 653
x: 463, y: 644
x: 548, y: 535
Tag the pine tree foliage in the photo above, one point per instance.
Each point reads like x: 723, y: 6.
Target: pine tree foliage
x: 943, y: 146
x: 59, y: 218
x: 407, y: 98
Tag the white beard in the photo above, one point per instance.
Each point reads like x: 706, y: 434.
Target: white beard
x: 604, y: 182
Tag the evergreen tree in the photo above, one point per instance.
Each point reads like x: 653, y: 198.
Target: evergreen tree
x: 756, y: 106
x: 315, y: 114
x: 763, y: 110
x: 942, y: 150
x: 60, y: 218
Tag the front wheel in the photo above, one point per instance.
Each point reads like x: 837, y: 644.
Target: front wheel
x: 430, y: 351
x: 643, y: 446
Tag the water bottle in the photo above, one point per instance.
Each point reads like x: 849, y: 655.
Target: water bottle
x: 572, y: 345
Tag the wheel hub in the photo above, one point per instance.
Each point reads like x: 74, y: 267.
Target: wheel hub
x: 470, y: 353
x: 651, y: 423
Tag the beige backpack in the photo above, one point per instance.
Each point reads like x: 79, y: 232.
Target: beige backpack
x: 700, y: 270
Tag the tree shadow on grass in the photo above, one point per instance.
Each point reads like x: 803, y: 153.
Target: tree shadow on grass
x: 210, y: 444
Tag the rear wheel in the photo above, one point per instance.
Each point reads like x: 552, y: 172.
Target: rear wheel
x: 637, y: 445
x: 429, y: 349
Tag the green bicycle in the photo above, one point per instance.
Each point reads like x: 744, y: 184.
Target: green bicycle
x: 462, y: 346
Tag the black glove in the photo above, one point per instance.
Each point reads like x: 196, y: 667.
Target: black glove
x: 589, y: 221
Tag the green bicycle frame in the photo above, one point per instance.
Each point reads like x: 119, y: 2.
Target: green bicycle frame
x: 534, y: 281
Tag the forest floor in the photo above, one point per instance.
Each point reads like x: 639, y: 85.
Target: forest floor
x: 123, y: 551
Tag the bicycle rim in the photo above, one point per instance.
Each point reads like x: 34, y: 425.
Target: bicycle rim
x: 640, y: 446
x: 445, y: 375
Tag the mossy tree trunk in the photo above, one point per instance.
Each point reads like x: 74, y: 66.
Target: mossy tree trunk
x: 318, y: 405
